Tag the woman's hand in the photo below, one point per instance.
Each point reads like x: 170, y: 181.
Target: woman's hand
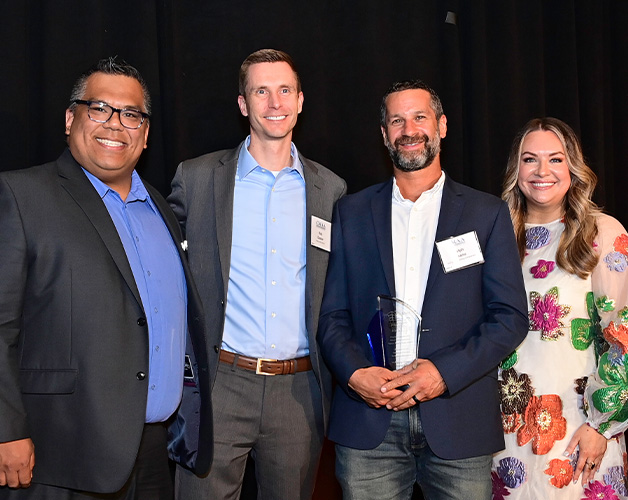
x: 592, y: 446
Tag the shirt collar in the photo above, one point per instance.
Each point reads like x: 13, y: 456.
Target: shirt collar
x: 138, y: 191
x: 246, y: 162
x: 437, y: 188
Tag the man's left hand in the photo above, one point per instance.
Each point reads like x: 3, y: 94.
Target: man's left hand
x: 424, y: 381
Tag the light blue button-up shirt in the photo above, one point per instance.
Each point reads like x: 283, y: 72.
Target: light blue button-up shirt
x: 159, y: 277
x: 265, y: 315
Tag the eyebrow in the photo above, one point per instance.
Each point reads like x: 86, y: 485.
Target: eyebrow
x: 550, y: 154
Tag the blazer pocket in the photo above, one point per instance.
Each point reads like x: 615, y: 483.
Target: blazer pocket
x: 48, y: 381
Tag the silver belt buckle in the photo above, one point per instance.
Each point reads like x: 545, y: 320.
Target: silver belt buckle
x: 258, y: 368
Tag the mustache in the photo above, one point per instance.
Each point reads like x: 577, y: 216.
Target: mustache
x: 411, y: 139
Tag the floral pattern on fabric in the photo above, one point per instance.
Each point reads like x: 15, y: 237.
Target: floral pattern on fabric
x: 598, y: 491
x: 512, y: 472
x: 543, y: 423
x: 615, y: 478
x: 617, y: 335
x: 616, y: 261
x: 621, y: 244
x: 515, y: 391
x: 605, y: 304
x: 547, y: 314
x: 499, y: 488
x: 561, y: 472
x: 542, y: 268
x: 512, y: 423
x: 537, y: 237
x: 612, y: 398
x: 585, y: 331
x: 510, y: 361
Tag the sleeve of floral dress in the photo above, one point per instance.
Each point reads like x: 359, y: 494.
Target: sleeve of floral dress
x: 607, y: 388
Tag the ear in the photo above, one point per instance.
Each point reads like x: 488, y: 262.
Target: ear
x: 442, y: 125
x: 242, y: 105
x: 384, y: 134
x: 146, y: 134
x: 300, y: 106
x: 69, y: 118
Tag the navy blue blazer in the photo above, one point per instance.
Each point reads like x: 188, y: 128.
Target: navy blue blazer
x: 471, y: 319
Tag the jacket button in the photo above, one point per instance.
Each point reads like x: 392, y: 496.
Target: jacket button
x: 216, y: 348
x: 140, y: 376
x: 141, y: 321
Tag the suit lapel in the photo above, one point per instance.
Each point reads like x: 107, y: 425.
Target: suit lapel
x: 314, y: 206
x: 382, y: 222
x: 451, y: 209
x: 224, y: 186
x: 77, y: 185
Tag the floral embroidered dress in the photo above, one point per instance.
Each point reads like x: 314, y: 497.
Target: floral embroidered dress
x: 553, y: 383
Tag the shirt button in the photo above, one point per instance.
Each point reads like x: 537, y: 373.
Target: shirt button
x: 140, y: 376
x: 273, y: 282
x: 411, y: 268
x: 157, y: 348
x: 156, y: 310
x: 272, y: 346
x: 152, y: 387
x: 273, y: 251
x: 273, y: 315
x: 148, y: 272
x: 274, y: 220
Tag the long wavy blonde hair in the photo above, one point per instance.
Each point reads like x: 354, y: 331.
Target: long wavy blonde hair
x: 575, y: 254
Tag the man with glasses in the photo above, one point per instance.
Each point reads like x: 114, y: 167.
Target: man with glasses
x: 98, y: 313
x: 257, y: 220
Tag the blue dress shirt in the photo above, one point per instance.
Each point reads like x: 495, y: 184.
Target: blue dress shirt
x: 159, y: 277
x: 265, y: 315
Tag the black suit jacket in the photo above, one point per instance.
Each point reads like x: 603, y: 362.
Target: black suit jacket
x: 73, y: 333
x: 471, y: 319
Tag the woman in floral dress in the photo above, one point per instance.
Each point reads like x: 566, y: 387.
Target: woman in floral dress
x: 564, y: 391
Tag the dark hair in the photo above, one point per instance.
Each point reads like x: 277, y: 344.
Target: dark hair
x: 575, y: 253
x: 109, y: 66
x: 435, y: 103
x: 265, y: 56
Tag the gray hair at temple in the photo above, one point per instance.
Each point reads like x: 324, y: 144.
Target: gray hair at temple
x: 265, y: 56
x: 435, y: 103
x: 109, y: 66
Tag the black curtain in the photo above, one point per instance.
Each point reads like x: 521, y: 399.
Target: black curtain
x: 495, y: 64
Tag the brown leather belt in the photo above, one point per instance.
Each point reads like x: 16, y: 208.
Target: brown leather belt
x: 263, y: 366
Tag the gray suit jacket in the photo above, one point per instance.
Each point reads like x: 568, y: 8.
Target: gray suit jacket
x: 202, y: 199
x: 73, y: 333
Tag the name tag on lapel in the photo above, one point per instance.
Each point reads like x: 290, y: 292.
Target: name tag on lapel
x: 460, y: 252
x: 320, y: 231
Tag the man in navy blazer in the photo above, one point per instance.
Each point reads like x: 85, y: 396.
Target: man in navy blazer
x: 449, y: 253
x: 98, y: 313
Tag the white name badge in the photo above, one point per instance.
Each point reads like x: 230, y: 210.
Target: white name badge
x: 321, y: 234
x: 459, y: 252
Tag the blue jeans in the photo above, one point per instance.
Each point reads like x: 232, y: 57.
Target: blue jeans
x: 389, y: 471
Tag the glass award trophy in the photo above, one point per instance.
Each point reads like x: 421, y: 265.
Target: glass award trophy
x: 394, y: 333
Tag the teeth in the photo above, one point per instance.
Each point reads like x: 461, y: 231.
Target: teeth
x: 276, y: 118
x: 543, y: 184
x: 108, y: 142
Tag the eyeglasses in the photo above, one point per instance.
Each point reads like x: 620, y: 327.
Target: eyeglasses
x: 102, y: 112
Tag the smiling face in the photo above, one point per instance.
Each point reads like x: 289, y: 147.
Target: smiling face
x: 544, y: 177
x: 412, y: 133
x: 108, y: 150
x: 272, y: 101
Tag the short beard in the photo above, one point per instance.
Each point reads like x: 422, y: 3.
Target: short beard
x: 410, y: 162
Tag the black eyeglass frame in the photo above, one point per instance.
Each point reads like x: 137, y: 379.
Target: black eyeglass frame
x: 113, y: 110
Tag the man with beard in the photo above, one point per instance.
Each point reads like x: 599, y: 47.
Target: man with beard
x: 448, y: 252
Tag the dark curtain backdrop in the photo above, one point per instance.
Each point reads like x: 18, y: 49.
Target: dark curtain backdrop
x: 495, y: 64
